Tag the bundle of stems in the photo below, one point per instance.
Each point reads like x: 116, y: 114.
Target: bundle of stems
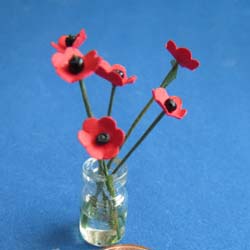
x: 105, y: 167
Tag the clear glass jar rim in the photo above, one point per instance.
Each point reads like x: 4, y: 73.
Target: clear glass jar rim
x: 87, y: 173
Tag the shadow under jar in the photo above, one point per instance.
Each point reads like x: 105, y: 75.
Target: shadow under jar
x: 104, y: 203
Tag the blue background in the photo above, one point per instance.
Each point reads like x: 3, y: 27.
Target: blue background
x: 189, y: 183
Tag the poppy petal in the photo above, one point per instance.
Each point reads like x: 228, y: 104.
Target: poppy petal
x: 180, y: 113
x: 107, y: 124
x: 104, y: 67
x: 81, y: 38
x: 65, y: 75
x: 59, y: 60
x: 85, y: 138
x: 160, y: 95
x: 171, y: 46
x: 115, y: 78
x: 177, y: 100
x: 95, y: 151
x: 110, y: 152
x: 92, y: 61
x: 62, y: 41
x: 70, y: 51
x: 193, y: 64
x: 119, y: 67
x: 131, y: 79
x: 90, y: 125
x: 118, y: 138
x: 91, y: 55
x: 56, y: 46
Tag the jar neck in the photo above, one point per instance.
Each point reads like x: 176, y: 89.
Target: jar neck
x: 92, y: 171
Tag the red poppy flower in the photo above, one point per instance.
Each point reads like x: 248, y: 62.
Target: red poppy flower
x: 182, y: 55
x: 101, y: 138
x: 66, y: 41
x: 171, y: 105
x: 116, y: 74
x: 73, y: 66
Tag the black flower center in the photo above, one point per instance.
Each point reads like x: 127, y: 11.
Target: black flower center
x: 170, y: 105
x: 70, y: 40
x: 76, y: 64
x: 119, y: 72
x: 102, y: 138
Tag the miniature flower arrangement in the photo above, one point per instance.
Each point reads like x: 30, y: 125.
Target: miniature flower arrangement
x: 104, y: 205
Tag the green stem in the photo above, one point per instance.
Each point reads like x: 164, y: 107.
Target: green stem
x: 85, y: 98
x: 111, y: 100
x: 134, y: 125
x: 111, y: 190
x: 171, y: 75
x: 109, y: 179
x: 138, y: 118
x: 90, y: 206
x: 158, y: 118
x: 111, y: 161
x: 167, y: 80
x: 101, y: 171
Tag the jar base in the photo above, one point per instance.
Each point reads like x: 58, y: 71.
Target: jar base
x: 100, y: 238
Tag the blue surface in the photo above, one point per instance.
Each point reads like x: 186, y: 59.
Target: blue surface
x: 189, y: 183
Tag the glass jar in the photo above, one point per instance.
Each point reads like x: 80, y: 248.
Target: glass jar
x: 104, y: 203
